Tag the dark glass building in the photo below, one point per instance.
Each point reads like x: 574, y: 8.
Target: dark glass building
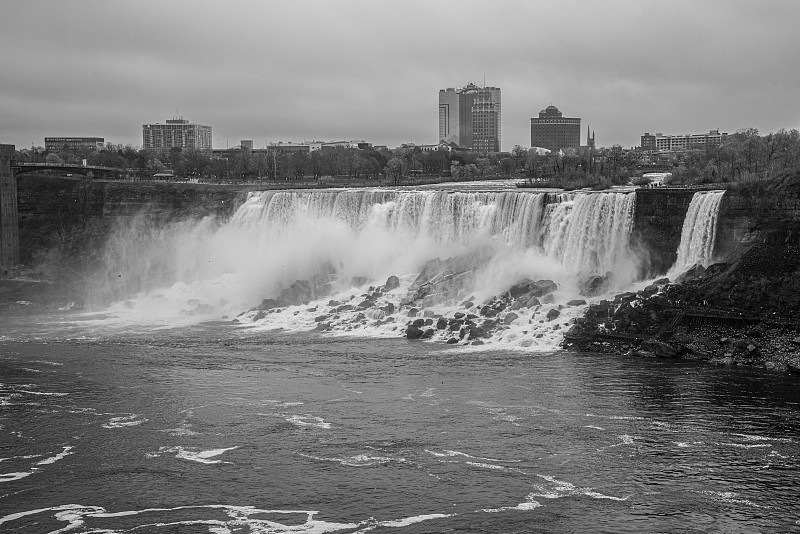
x: 470, y: 117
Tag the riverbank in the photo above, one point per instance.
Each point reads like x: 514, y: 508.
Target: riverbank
x: 729, y: 314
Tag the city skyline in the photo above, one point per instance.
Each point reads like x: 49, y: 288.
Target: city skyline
x: 470, y: 116
x: 346, y: 70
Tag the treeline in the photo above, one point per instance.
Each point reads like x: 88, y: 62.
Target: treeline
x: 281, y: 163
x: 745, y: 156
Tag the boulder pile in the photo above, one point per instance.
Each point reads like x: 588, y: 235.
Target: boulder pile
x: 475, y: 322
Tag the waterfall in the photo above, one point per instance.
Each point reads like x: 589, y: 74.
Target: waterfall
x: 699, y: 232
x: 595, y: 235
x: 582, y: 231
x: 278, y: 237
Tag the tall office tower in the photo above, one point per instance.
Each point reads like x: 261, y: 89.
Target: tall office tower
x: 176, y: 133
x: 555, y: 132
x: 470, y: 117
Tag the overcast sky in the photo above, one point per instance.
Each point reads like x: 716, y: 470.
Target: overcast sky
x: 371, y: 69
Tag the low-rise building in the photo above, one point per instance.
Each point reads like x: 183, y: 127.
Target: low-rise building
x: 73, y: 144
x: 680, y: 143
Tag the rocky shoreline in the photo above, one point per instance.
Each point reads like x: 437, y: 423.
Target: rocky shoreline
x: 677, y: 320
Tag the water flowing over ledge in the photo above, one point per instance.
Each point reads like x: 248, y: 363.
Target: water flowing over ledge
x: 699, y: 233
x: 358, y: 238
x: 513, y: 268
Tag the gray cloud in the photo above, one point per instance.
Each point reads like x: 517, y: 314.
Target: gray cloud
x: 368, y: 69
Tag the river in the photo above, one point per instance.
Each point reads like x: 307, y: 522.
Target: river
x: 219, y: 428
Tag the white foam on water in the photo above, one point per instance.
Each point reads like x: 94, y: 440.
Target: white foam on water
x: 754, y: 437
x: 183, y: 430
x: 729, y: 497
x: 10, y: 477
x: 594, y: 427
x: 192, y: 454
x: 556, y: 489
x: 486, y: 466
x: 25, y: 457
x: 411, y: 520
x: 308, y: 421
x: 239, y: 518
x: 359, y: 460
x: 625, y: 440
x: 75, y: 516
x: 452, y: 453
x: 43, y: 393
x: 53, y: 459
x: 125, y: 421
x: 748, y: 445
x: 36, y: 467
x: 525, y: 506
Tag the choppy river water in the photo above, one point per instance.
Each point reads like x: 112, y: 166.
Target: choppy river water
x: 212, y: 429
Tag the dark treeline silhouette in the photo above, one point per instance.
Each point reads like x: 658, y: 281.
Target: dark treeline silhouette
x: 282, y: 164
x: 743, y: 157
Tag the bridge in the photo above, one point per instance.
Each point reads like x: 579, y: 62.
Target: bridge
x: 67, y: 168
x: 9, y: 216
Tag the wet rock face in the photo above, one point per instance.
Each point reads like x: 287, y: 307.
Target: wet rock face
x: 391, y: 283
x: 440, y: 288
x: 414, y: 332
x: 495, y: 314
x: 300, y: 292
x: 595, y: 285
x: 695, y: 271
x: 658, y: 222
x: 532, y: 288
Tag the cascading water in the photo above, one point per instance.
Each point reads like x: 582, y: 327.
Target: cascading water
x: 278, y: 237
x: 699, y: 232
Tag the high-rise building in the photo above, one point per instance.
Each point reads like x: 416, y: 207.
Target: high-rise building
x: 470, y: 117
x: 553, y: 131
x: 176, y: 133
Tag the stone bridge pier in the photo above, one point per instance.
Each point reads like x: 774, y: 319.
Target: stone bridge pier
x: 9, y: 216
